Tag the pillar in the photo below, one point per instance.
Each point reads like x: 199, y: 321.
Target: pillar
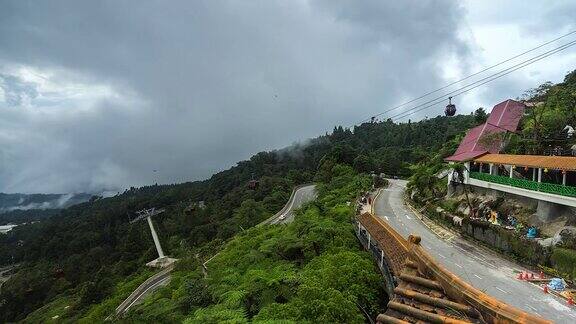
x: 155, y: 238
x: 539, y: 174
x: 564, y: 178
x: 533, y: 174
x: 511, y: 172
x: 490, y: 167
x: 381, y: 259
x: 466, y: 175
x: 368, y: 233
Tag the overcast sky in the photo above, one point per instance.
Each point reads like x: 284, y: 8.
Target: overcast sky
x: 96, y: 95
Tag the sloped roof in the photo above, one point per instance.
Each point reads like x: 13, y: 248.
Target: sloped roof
x: 507, y: 115
x: 421, y: 299
x: 531, y: 161
x: 504, y: 117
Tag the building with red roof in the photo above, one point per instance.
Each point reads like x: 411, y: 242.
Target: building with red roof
x: 484, y: 138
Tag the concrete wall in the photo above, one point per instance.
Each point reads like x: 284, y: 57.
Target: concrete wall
x: 546, y: 211
x: 556, y: 199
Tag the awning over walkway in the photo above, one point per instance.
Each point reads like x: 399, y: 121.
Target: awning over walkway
x: 532, y: 161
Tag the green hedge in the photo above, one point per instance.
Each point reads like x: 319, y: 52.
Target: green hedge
x: 564, y: 260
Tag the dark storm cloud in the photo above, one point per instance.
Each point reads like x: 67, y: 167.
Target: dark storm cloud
x: 199, y: 85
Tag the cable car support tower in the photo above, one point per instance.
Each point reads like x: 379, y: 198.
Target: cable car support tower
x: 162, y: 261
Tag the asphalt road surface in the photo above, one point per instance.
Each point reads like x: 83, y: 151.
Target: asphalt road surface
x: 483, y: 269
x: 301, y: 196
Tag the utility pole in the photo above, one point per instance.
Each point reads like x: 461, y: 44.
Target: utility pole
x: 162, y: 261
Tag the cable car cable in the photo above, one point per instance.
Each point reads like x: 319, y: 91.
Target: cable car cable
x: 487, y: 79
x: 457, y: 92
x: 469, y: 76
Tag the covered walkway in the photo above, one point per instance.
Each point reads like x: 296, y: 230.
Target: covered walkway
x: 549, y: 174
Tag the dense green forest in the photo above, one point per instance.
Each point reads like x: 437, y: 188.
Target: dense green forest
x: 308, y: 270
x: 78, y: 256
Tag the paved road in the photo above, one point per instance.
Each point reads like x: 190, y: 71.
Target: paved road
x: 160, y: 279
x: 483, y: 269
x: 301, y: 196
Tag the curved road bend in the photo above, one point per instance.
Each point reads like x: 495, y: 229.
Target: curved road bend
x: 301, y: 196
x: 483, y: 269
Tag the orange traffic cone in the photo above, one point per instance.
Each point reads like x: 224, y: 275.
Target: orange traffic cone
x: 541, y: 274
x: 520, y: 276
x: 545, y: 289
x: 531, y: 276
x: 570, y: 301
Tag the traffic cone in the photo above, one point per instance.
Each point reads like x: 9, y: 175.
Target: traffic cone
x: 545, y: 289
x: 541, y: 274
x: 570, y: 301
x: 531, y: 276
x: 519, y: 276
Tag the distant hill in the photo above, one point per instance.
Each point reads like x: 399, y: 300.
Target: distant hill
x: 18, y: 201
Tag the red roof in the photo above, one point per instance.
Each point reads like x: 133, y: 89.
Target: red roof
x: 507, y: 115
x: 504, y: 117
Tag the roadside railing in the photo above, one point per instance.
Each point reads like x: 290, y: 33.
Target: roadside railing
x: 398, y: 250
x: 550, y: 188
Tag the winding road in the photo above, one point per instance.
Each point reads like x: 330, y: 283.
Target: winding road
x: 480, y: 267
x: 301, y: 196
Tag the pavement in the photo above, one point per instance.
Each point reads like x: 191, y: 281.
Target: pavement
x: 159, y: 279
x: 301, y: 196
x: 484, y: 269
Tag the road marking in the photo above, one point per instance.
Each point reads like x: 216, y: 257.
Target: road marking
x: 408, y: 216
x: 136, y: 298
x: 459, y: 266
x: 387, y: 219
x: 532, y: 308
x: 502, y: 290
x: 441, y: 256
x: 477, y: 276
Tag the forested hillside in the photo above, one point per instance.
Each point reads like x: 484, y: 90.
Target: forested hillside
x: 81, y: 255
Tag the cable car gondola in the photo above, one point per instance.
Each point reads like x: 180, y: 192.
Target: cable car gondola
x: 450, y: 108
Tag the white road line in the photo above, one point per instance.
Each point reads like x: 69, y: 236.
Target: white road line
x: 502, y: 290
x: 441, y: 256
x: 408, y: 216
x: 477, y: 276
x: 532, y: 308
x: 459, y: 266
x: 387, y: 219
x: 151, y: 287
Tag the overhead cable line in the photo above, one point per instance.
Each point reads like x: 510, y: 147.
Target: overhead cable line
x: 468, y: 77
x: 488, y: 79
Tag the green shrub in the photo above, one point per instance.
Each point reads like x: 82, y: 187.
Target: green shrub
x: 564, y: 260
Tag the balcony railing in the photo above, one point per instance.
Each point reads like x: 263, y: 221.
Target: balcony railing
x: 550, y: 188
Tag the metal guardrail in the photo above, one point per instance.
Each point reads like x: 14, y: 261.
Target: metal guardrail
x: 550, y: 188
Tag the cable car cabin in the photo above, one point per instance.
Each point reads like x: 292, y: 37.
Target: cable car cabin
x: 450, y: 108
x: 253, y: 184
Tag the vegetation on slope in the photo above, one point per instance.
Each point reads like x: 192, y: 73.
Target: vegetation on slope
x: 310, y: 270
